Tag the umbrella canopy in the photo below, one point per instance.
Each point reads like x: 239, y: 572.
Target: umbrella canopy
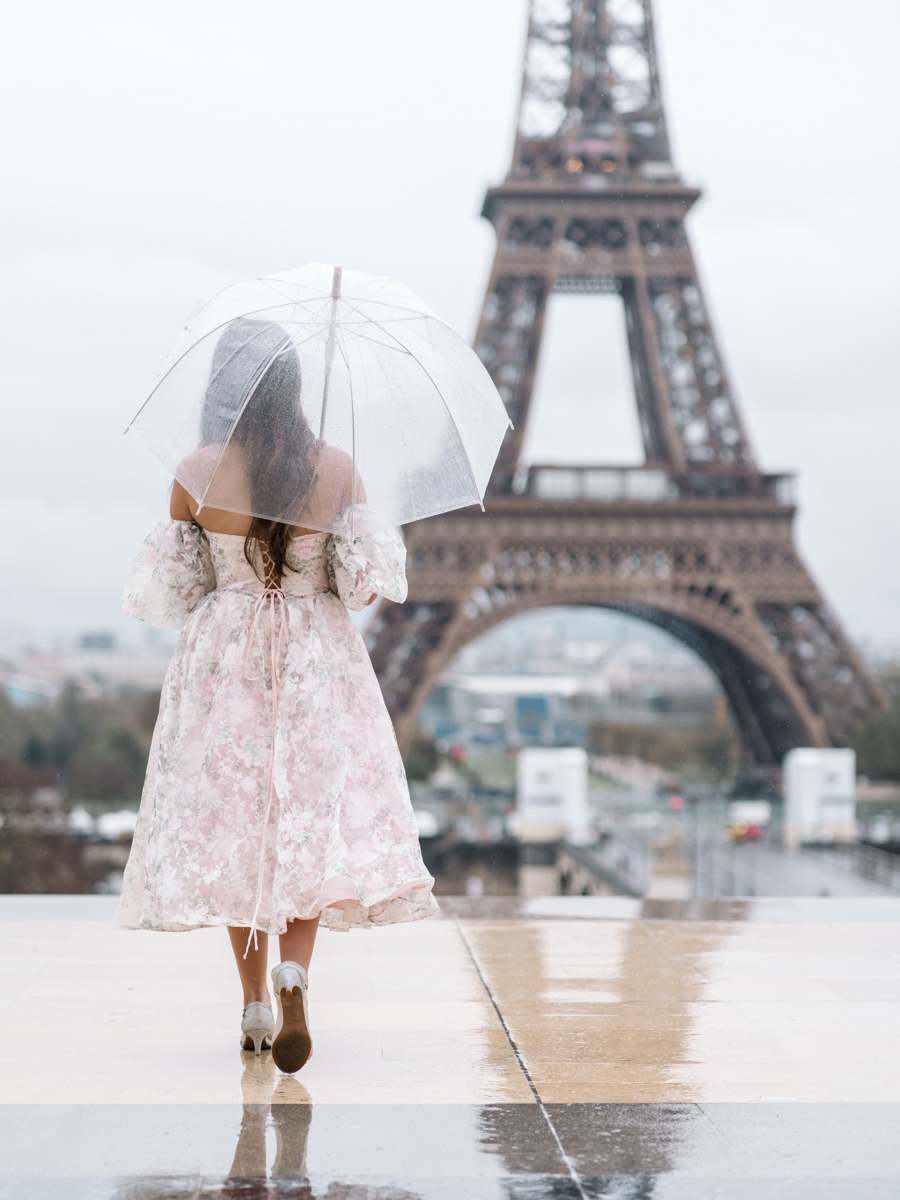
x: 293, y: 396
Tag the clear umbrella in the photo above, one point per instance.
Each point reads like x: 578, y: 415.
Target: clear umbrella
x: 294, y: 396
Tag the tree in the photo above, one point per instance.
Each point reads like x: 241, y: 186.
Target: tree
x: 421, y: 759
x: 715, y: 749
x: 877, y: 743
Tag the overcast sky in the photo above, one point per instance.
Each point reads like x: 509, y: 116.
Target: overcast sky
x: 157, y: 150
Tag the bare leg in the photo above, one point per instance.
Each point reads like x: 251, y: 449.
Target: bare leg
x: 297, y: 943
x: 253, y: 969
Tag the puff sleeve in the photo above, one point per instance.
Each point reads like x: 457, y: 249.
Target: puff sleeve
x: 366, y: 556
x: 170, y: 576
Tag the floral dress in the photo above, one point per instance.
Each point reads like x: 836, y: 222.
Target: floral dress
x: 275, y: 788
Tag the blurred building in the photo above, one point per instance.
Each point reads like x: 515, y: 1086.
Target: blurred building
x: 542, y: 680
x: 96, y: 666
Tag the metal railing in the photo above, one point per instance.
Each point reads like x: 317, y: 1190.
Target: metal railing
x: 879, y: 866
x: 621, y: 864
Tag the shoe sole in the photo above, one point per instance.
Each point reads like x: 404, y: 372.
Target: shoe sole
x: 293, y: 1045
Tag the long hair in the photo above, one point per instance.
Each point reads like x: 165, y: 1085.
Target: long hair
x: 256, y: 359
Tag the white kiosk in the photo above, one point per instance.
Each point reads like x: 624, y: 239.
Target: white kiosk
x: 819, y: 803
x: 551, y: 805
x: 552, y: 795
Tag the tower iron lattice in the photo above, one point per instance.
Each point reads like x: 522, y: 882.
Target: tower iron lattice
x: 698, y: 540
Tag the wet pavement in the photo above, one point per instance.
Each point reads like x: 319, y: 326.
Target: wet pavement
x: 556, y: 1047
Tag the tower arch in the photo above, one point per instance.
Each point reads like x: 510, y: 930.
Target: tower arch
x: 769, y: 709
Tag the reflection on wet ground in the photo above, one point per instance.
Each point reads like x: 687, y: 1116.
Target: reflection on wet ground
x: 767, y: 909
x: 561, y: 1047
x: 600, y: 1011
x: 458, y: 1152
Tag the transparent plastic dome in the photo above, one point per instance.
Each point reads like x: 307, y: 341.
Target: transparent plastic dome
x: 293, y: 396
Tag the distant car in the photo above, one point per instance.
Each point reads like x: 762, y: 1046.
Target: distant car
x: 742, y: 832
x: 747, y: 820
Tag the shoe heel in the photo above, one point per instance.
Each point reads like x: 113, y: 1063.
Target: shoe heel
x: 257, y: 1036
x: 256, y: 1026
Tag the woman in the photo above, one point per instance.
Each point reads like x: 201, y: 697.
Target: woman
x: 275, y: 799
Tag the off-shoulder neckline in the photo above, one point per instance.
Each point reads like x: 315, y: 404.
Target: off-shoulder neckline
x: 298, y: 537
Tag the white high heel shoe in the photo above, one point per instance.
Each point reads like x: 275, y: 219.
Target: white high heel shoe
x: 292, y: 1044
x: 257, y: 1025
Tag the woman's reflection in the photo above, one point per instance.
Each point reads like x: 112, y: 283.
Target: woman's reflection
x: 268, y: 1096
x: 266, y: 1093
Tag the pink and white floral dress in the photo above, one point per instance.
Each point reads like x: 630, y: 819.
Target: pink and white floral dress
x: 275, y: 788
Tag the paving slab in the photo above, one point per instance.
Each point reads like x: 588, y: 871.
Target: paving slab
x: 104, y: 1015
x: 509, y: 1049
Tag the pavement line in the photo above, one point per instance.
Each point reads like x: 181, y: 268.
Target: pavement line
x: 570, y: 1166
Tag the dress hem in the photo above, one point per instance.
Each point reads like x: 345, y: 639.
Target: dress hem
x: 339, y: 914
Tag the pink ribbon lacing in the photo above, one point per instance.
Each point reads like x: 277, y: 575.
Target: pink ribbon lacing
x: 274, y: 600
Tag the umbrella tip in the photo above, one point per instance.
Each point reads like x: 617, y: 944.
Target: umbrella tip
x: 336, y: 283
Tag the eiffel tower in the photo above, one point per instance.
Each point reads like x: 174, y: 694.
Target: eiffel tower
x: 698, y: 539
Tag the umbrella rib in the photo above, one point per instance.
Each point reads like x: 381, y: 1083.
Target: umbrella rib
x: 268, y: 281
x: 449, y: 414
x: 188, y: 349
x: 414, y: 312
x: 378, y: 325
x: 382, y: 281
x: 285, y: 304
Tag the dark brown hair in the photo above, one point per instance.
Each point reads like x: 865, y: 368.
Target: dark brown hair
x: 276, y: 442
